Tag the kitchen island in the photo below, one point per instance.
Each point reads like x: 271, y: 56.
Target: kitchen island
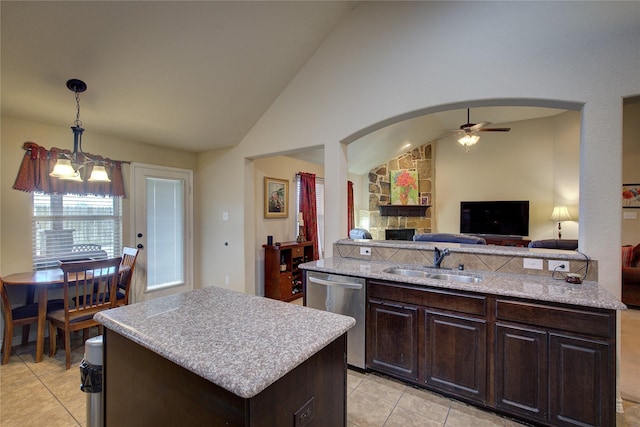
x: 219, y: 357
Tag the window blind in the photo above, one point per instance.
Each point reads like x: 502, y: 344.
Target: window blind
x: 72, y: 228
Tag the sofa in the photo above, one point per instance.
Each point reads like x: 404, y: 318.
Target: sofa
x: 631, y: 275
x: 449, y: 238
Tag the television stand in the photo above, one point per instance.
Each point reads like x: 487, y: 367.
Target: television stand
x: 506, y: 241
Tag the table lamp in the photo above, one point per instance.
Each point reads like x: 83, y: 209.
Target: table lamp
x: 559, y: 214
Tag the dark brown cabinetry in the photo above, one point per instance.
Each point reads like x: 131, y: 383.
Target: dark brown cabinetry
x: 547, y: 363
x: 142, y: 388
x: 557, y: 365
x: 521, y: 371
x: 455, y: 354
x: 282, y: 277
x: 447, y: 347
x: 392, y: 338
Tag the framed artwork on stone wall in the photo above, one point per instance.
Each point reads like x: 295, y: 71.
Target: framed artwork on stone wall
x: 404, y: 187
x: 276, y: 198
x: 631, y: 195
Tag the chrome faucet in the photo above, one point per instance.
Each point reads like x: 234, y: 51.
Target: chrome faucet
x: 438, y: 256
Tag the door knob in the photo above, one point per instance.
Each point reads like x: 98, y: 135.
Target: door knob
x: 140, y: 246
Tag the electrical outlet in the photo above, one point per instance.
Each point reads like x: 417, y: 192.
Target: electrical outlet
x: 365, y: 251
x: 532, y: 263
x: 558, y: 265
x: 226, y: 280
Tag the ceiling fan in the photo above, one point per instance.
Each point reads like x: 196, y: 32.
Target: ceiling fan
x: 468, y: 132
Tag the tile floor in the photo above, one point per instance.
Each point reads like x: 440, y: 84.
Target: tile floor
x: 45, y: 394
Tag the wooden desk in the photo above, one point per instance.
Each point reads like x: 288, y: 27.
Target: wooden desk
x: 41, y: 280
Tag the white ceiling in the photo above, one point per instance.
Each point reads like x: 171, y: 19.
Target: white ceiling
x: 193, y: 75
x: 190, y: 75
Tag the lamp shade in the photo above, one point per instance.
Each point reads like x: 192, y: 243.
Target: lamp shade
x: 63, y: 169
x: 99, y: 174
x: 560, y: 213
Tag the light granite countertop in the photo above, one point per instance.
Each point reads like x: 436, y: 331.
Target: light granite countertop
x: 587, y: 294
x: 239, y: 342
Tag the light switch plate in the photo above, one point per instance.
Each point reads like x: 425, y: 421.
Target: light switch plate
x: 532, y: 263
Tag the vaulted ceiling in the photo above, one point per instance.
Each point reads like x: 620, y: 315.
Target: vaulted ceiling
x: 190, y: 74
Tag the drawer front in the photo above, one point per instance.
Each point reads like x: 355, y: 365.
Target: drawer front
x: 599, y: 324
x: 297, y: 252
x: 428, y: 297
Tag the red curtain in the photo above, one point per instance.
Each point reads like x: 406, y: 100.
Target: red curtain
x: 351, y: 223
x: 308, y: 209
x: 38, y: 162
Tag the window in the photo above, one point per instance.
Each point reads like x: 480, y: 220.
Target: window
x: 319, y: 211
x: 70, y: 227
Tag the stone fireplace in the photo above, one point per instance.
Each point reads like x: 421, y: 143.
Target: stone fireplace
x: 418, y: 159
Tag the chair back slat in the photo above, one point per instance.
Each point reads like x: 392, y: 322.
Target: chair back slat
x: 129, y: 257
x: 89, y: 286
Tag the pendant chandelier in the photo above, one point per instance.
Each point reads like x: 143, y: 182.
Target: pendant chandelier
x: 68, y: 166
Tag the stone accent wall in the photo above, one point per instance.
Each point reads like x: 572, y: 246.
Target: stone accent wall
x: 419, y: 159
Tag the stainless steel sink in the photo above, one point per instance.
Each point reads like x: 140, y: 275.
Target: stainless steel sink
x: 450, y: 276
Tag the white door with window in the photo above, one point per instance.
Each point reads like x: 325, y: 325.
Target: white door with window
x: 162, y: 214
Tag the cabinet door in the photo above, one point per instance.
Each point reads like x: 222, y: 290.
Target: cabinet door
x: 392, y: 337
x: 521, y: 371
x: 581, y: 382
x: 286, y: 283
x: 455, y: 353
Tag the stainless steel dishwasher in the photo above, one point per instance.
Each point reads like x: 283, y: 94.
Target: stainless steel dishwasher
x: 341, y: 295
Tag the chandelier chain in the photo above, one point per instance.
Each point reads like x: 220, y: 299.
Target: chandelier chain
x: 78, y: 122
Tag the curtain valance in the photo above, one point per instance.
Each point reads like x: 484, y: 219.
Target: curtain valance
x: 38, y: 162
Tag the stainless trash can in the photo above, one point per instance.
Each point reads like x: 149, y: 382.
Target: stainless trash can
x: 91, y: 381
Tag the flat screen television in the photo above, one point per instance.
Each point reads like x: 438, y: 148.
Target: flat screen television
x: 502, y: 218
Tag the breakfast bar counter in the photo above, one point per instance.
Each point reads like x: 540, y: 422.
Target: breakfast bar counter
x: 219, y: 357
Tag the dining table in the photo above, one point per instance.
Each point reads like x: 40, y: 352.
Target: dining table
x: 39, y: 282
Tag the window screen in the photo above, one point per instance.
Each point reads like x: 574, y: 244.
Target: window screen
x: 74, y: 228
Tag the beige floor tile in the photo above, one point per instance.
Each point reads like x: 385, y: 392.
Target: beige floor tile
x: 404, y: 418
x: 462, y: 415
x: 354, y: 378
x: 426, y: 404
x: 366, y: 411
x: 381, y: 388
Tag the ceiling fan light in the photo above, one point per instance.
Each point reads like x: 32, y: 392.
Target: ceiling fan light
x: 63, y: 169
x: 468, y: 140
x: 99, y: 174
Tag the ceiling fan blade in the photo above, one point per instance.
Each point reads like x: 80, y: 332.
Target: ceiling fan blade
x: 494, y: 129
x: 448, y: 134
x: 479, y: 126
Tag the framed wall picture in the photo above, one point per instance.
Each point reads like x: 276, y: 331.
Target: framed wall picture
x: 276, y: 198
x: 404, y: 187
x: 631, y: 195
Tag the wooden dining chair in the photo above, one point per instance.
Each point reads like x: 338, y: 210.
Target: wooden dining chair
x: 23, y: 315
x: 89, y: 287
x: 129, y: 257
